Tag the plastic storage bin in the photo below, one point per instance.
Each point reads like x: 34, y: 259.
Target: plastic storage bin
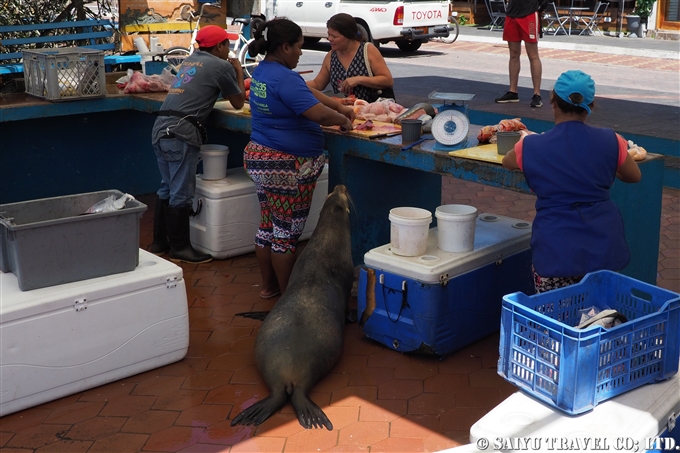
x: 229, y: 214
x: 65, y: 74
x: 68, y: 338
x: 48, y: 241
x: 572, y: 369
x: 630, y: 422
x: 442, y: 301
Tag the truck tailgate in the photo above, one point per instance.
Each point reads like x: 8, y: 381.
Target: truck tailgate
x: 422, y: 14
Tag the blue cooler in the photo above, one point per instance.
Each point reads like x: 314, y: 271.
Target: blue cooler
x: 439, y: 302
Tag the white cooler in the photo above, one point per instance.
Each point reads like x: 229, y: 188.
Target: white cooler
x: 230, y: 214
x: 64, y: 339
x: 628, y: 422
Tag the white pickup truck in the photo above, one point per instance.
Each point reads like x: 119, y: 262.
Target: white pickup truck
x: 407, y: 23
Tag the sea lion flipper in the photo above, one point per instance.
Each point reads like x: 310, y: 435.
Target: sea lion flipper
x: 351, y: 316
x: 260, y: 411
x: 309, y: 414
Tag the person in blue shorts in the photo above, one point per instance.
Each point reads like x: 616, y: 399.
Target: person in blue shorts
x: 571, y: 168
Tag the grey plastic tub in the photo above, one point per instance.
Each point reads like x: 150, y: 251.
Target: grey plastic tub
x: 49, y: 241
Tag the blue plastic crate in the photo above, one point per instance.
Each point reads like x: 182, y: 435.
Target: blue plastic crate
x: 571, y: 369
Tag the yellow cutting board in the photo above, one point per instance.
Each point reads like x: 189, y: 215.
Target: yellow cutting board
x: 486, y: 153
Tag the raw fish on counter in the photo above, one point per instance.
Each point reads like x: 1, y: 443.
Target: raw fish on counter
x: 637, y: 152
x: 385, y: 111
x: 365, y: 126
x: 488, y: 133
x: 422, y: 111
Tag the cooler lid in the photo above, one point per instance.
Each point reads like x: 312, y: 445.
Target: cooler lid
x: 635, y: 416
x: 236, y: 183
x: 16, y: 304
x: 496, y: 237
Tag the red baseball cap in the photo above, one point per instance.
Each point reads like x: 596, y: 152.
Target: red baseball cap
x: 211, y: 35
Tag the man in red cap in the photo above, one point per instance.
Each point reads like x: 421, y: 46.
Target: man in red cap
x: 178, y: 134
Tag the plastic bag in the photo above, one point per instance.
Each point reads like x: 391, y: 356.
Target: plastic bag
x: 607, y: 318
x: 141, y: 83
x: 126, y: 78
x: 109, y: 204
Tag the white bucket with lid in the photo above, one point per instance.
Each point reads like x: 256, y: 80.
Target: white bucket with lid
x: 409, y: 230
x: 214, y: 159
x: 456, y: 227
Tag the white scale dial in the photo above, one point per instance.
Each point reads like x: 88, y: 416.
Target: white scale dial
x: 450, y: 127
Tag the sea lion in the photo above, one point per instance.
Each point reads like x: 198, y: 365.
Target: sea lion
x: 301, y: 338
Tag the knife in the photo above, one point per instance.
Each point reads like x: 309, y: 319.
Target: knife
x: 386, y: 134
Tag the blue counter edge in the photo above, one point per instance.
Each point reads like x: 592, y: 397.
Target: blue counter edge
x: 663, y: 146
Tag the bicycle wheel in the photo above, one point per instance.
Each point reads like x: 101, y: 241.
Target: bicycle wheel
x: 453, y: 31
x: 247, y: 62
x: 175, y: 56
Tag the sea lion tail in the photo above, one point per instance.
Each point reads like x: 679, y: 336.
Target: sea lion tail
x: 309, y: 414
x: 260, y: 411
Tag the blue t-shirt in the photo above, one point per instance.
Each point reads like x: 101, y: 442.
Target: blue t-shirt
x: 278, y: 97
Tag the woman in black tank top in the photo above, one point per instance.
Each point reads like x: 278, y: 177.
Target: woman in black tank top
x: 353, y: 67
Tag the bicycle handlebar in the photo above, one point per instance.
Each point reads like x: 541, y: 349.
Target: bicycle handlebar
x: 214, y: 5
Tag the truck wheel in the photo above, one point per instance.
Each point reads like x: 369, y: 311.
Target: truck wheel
x: 409, y: 46
x: 363, y: 31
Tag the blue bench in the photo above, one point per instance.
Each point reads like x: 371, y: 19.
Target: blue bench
x: 83, y: 30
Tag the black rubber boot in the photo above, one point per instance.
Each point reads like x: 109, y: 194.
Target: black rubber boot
x: 160, y: 243
x: 177, y: 221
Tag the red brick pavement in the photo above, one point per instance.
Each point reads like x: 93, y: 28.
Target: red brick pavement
x: 657, y: 64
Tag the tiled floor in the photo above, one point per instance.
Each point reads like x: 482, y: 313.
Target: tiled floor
x: 378, y: 400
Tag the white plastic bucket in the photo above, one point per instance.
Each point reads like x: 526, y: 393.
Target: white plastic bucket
x: 214, y: 159
x: 408, y: 231
x: 456, y: 227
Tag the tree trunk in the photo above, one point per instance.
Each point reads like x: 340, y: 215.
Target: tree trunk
x: 240, y: 8
x: 80, y: 9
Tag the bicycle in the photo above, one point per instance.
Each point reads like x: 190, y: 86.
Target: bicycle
x: 453, y: 27
x: 248, y: 63
x: 174, y: 56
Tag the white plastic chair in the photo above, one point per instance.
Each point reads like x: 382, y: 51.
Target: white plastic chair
x: 591, y: 23
x: 555, y: 23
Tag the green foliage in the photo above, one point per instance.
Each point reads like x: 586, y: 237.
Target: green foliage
x: 462, y: 20
x: 27, y: 12
x: 18, y: 12
x: 643, y: 8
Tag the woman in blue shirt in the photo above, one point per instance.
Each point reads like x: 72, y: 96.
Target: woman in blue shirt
x: 285, y: 155
x: 571, y: 168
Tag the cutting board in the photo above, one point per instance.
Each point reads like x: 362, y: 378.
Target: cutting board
x: 486, y: 153
x: 380, y: 129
